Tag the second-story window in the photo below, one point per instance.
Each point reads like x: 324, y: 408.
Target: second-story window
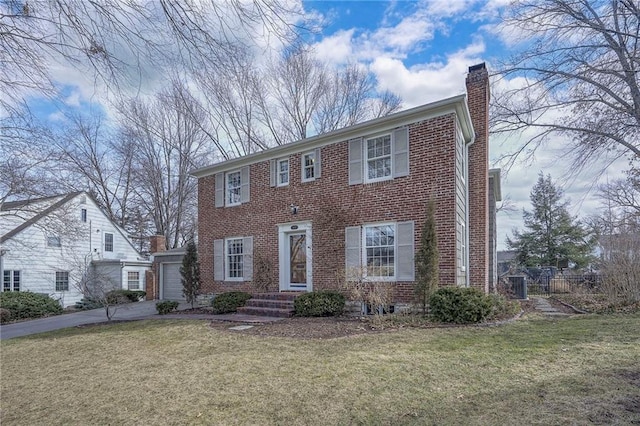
x: 83, y: 215
x: 309, y: 166
x: 283, y: 172
x: 54, y: 241
x: 378, y: 164
x: 108, y: 241
x: 234, y: 182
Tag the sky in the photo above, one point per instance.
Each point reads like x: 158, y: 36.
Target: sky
x: 421, y: 51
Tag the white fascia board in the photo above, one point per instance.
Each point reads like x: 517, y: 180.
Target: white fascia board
x: 456, y: 105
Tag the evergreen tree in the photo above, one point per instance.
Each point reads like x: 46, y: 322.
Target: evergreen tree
x: 190, y: 272
x: 427, y: 259
x: 552, y: 237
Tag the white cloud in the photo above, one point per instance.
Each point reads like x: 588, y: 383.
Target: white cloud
x: 335, y: 49
x: 427, y: 82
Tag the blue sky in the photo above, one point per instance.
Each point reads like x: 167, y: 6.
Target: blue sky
x: 421, y: 51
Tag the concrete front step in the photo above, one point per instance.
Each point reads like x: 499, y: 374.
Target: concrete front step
x: 266, y: 312
x: 270, y: 304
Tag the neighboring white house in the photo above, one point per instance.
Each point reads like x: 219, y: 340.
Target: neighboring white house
x: 47, y: 245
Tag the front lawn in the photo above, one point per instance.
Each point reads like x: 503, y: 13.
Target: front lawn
x: 579, y: 370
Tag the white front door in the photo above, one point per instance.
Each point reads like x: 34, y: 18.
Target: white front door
x: 295, y: 257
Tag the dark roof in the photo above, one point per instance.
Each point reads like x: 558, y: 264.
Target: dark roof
x: 18, y: 204
x: 13, y: 205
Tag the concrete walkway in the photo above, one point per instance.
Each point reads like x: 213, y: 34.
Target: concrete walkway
x: 543, y: 305
x: 127, y: 312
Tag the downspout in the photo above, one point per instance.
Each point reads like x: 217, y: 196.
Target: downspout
x: 466, y: 207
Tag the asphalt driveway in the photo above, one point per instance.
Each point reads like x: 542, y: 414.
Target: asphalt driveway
x: 129, y: 311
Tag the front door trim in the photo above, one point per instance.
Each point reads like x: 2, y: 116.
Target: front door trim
x: 284, y: 231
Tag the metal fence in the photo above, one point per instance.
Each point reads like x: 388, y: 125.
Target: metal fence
x: 559, y: 284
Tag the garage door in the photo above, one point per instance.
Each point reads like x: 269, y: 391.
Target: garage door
x: 171, y: 282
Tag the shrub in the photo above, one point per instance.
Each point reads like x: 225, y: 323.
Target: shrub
x: 319, y: 304
x: 502, y: 307
x: 117, y: 297
x: 228, y: 302
x: 5, y: 315
x: 88, y: 303
x: 25, y: 304
x: 459, y: 305
x: 166, y: 306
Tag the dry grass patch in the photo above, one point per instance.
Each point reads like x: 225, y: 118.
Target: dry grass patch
x: 577, y: 370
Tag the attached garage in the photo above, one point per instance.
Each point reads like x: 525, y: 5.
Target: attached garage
x: 167, y: 265
x: 171, y: 282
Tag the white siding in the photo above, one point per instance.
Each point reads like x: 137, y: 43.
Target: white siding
x: 81, y: 242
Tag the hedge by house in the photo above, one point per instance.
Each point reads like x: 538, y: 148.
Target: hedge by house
x: 319, y: 304
x: 229, y: 302
x: 27, y: 305
x: 460, y: 305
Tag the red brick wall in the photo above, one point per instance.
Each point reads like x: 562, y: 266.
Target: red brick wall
x: 478, y: 100
x: 331, y: 204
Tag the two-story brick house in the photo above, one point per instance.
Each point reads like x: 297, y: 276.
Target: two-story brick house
x: 297, y: 216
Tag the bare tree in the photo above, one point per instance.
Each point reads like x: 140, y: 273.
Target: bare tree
x: 115, y: 40
x: 577, y: 77
x: 96, y: 160
x: 350, y: 98
x: 169, y: 143
x: 232, y: 96
x: 26, y: 158
x: 297, y: 85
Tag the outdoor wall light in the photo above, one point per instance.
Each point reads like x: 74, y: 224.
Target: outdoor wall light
x: 294, y: 209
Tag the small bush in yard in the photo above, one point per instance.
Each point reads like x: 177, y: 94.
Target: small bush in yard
x: 23, y: 305
x: 5, y: 315
x: 166, y: 306
x: 459, y: 305
x: 319, y: 304
x: 229, y: 302
x: 117, y: 297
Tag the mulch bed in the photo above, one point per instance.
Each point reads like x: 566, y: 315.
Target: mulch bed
x: 344, y: 326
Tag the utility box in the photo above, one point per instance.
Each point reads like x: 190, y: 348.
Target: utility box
x: 519, y: 286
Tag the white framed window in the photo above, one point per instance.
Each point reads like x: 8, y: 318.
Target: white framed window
x: 83, y: 215
x: 133, y: 280
x: 378, y: 158
x: 234, y: 259
x: 54, y: 241
x: 62, y: 280
x: 283, y: 172
x: 108, y: 242
x: 233, y: 188
x: 11, y: 280
x: 379, y: 251
x: 309, y: 166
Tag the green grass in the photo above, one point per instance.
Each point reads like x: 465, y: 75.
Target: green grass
x: 581, y: 370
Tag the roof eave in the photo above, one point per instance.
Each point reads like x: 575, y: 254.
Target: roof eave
x: 455, y: 104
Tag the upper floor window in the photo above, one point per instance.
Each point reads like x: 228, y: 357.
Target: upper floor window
x: 232, y: 188
x: 108, y: 241
x: 133, y: 280
x: 309, y: 166
x: 283, y: 172
x: 234, y: 182
x: 83, y: 215
x: 54, y: 241
x: 11, y: 280
x: 378, y: 158
x: 62, y: 281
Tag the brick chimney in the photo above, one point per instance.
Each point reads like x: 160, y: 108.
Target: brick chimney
x: 478, y: 101
x: 158, y: 243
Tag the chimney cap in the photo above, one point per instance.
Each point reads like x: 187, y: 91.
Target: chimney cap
x: 477, y: 67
